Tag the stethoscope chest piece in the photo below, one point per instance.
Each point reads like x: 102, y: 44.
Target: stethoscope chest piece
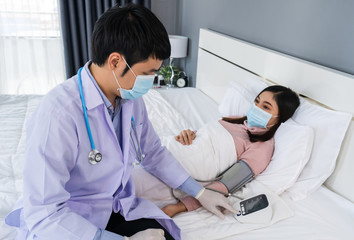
x: 95, y: 156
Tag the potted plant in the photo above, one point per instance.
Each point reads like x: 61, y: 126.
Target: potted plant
x: 165, y: 72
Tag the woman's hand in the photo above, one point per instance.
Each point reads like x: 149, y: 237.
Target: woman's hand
x: 186, y: 137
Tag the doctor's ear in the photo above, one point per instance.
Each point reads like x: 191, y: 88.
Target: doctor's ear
x: 114, y: 59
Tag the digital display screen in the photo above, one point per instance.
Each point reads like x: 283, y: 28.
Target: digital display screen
x: 255, y: 204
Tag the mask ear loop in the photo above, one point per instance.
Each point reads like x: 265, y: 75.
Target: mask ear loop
x: 268, y: 127
x: 115, y: 77
x: 129, y: 66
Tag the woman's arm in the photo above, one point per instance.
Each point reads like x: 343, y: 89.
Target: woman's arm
x: 186, y: 137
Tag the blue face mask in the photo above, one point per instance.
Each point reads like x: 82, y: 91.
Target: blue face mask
x: 257, y: 117
x: 143, y: 83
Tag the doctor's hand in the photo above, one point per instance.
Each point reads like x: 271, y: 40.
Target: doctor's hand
x: 148, y: 234
x: 215, y: 203
x: 186, y: 137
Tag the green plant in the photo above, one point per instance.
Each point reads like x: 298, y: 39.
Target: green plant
x: 166, y: 72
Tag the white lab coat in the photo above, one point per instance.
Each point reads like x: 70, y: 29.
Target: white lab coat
x: 65, y: 197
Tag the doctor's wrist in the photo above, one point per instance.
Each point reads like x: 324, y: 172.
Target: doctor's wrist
x: 191, y: 187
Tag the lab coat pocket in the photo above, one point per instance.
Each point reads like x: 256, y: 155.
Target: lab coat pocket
x: 83, y: 209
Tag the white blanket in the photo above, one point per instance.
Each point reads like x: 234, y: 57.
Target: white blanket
x: 212, y: 152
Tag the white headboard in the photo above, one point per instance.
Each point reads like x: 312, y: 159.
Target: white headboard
x: 221, y: 58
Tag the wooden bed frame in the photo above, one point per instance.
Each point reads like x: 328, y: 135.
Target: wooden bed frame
x: 221, y: 58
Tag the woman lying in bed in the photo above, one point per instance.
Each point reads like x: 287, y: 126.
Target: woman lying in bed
x: 248, y: 140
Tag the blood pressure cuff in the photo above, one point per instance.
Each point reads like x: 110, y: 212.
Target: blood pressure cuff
x: 236, y: 176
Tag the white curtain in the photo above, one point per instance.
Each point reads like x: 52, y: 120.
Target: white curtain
x: 31, y: 48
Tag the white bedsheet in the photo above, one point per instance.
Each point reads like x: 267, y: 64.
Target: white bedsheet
x: 324, y: 215
x: 201, y: 224
x: 14, y: 110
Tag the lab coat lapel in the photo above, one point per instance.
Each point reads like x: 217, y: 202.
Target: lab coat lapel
x: 93, y: 99
x: 91, y: 94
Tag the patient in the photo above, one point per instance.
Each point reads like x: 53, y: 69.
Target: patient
x: 252, y: 137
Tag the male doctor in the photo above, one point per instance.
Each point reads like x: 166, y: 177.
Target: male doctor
x: 66, y: 196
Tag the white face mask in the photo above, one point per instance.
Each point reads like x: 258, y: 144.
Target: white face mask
x: 257, y: 117
x: 143, y: 83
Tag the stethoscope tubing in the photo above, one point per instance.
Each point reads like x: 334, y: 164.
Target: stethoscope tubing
x: 85, y: 111
x: 140, y: 153
x: 94, y: 151
x: 226, y: 194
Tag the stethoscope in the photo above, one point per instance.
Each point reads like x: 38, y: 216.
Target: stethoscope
x: 95, y: 156
x: 139, y: 155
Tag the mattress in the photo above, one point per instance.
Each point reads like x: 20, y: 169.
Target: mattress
x: 14, y: 111
x: 322, y: 215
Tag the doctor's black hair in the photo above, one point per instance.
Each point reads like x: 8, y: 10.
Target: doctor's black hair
x: 287, y: 101
x: 133, y: 31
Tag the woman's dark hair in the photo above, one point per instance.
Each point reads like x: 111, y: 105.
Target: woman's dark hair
x: 133, y: 31
x: 287, y: 101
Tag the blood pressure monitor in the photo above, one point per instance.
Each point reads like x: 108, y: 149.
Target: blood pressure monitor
x: 253, y: 204
x: 257, y: 209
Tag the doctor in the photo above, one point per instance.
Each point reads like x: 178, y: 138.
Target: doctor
x: 68, y: 196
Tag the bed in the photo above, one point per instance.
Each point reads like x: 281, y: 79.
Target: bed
x: 313, y: 197
x: 315, y: 184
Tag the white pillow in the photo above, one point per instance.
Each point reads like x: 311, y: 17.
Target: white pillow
x: 293, y: 145
x: 238, y: 98
x: 234, y: 103
x: 330, y: 128
x: 293, y: 142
